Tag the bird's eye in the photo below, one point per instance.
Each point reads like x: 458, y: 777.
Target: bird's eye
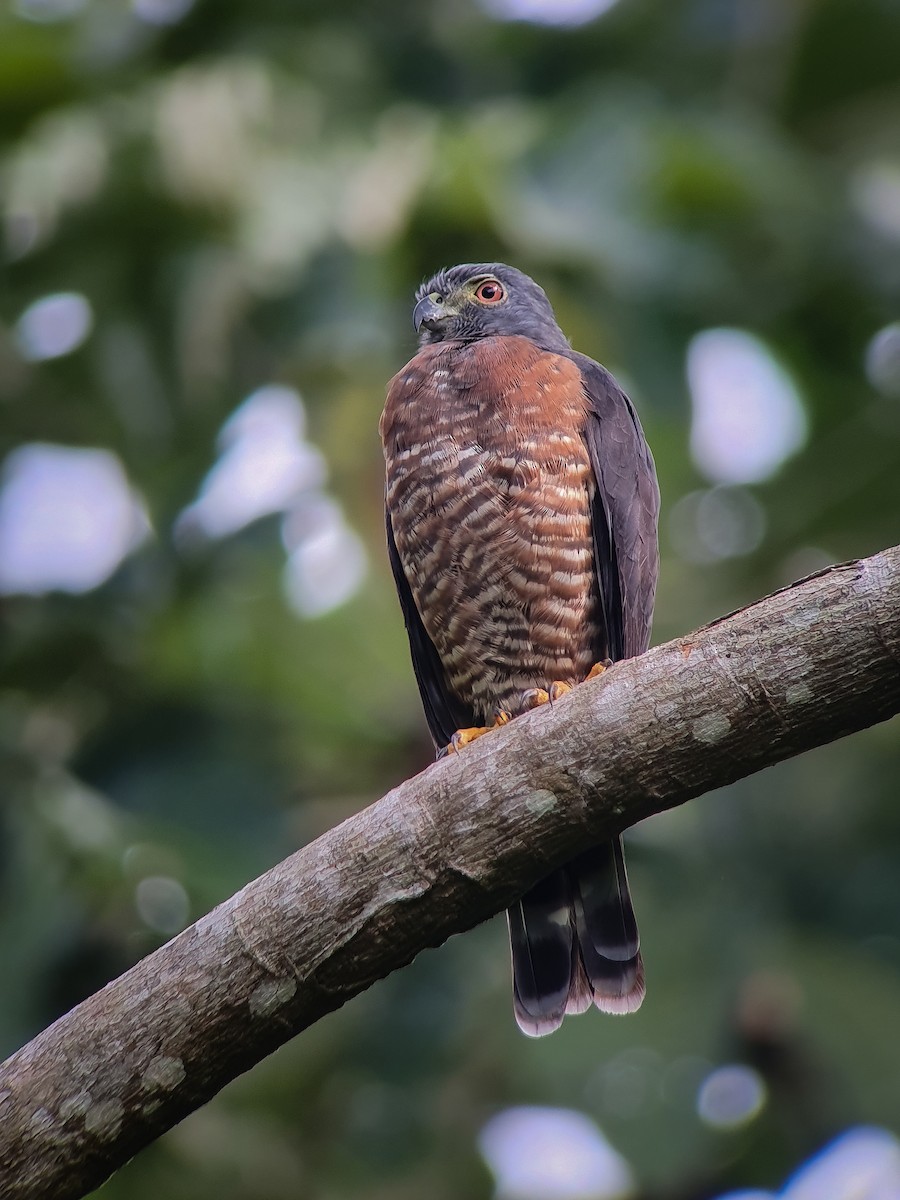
x: 435, y: 297
x: 490, y: 292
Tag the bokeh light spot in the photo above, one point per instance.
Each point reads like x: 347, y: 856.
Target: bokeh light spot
x: 326, y: 560
x: 54, y: 325
x: 715, y: 524
x: 161, y: 12
x: 162, y: 903
x: 265, y: 464
x: 552, y: 1154
x: 747, y: 414
x: 875, y: 189
x: 731, y: 1096
x: 549, y: 12
x: 883, y: 360
x: 68, y: 517
x: 626, y: 1085
x: 85, y: 818
x: 861, y: 1164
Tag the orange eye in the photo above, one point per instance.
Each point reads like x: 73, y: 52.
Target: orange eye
x: 490, y: 292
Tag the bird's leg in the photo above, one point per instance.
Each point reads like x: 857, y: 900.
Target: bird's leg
x: 463, y: 737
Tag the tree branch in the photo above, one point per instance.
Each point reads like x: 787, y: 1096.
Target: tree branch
x: 436, y: 856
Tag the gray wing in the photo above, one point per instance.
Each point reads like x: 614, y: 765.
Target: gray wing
x: 625, y: 511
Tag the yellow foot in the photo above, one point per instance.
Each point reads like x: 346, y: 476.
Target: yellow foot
x: 598, y: 669
x: 463, y: 737
x: 535, y: 697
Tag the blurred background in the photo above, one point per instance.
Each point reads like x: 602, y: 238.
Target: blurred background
x: 214, y: 216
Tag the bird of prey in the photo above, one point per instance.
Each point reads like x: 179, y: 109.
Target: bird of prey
x: 521, y: 506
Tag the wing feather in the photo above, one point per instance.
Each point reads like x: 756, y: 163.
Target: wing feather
x: 444, y: 712
x: 625, y: 511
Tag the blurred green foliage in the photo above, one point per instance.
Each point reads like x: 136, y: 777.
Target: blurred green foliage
x: 248, y: 194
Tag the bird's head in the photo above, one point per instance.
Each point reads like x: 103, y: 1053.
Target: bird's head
x: 477, y: 300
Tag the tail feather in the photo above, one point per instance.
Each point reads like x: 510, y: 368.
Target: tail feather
x: 541, y: 936
x: 606, y: 928
x: 581, y: 994
x: 575, y: 942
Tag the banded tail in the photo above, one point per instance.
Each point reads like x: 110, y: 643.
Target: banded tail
x: 575, y: 943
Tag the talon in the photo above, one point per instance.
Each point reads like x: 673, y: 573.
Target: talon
x: 558, y: 689
x: 535, y: 697
x: 464, y: 737
x: 598, y: 669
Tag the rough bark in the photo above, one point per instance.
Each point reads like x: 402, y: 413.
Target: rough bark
x: 436, y: 856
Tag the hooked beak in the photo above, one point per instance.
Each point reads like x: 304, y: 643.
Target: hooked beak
x: 429, y: 314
